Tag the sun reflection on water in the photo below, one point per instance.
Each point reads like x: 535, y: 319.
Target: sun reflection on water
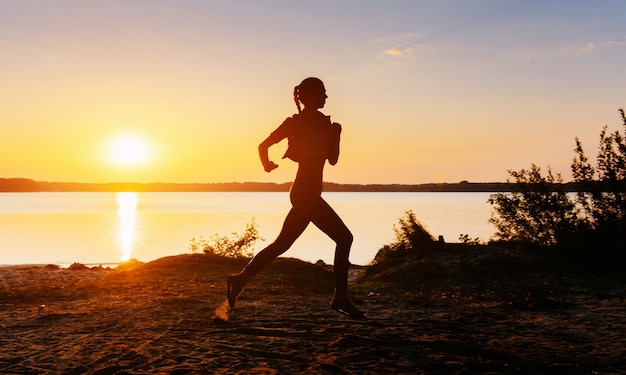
x: 127, y: 211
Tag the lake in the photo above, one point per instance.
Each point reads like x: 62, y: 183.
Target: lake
x: 107, y: 228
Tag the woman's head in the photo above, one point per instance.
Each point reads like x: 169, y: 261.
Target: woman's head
x: 310, y: 92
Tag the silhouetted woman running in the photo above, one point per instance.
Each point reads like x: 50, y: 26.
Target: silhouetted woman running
x: 313, y: 139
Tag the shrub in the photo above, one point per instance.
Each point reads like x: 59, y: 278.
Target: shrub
x: 602, y: 190
x: 536, y: 211
x: 237, y: 246
x: 539, y: 211
x: 411, y: 237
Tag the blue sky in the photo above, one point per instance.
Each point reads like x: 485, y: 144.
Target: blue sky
x: 426, y: 91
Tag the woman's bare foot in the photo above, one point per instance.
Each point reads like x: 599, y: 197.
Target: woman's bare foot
x: 234, y: 287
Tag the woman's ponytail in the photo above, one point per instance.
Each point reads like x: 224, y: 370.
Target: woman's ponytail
x: 296, y: 97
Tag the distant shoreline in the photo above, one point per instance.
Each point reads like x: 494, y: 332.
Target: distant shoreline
x: 18, y: 185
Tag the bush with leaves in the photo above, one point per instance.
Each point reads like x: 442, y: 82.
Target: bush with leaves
x: 411, y: 237
x: 602, y: 190
x: 236, y: 246
x: 539, y: 211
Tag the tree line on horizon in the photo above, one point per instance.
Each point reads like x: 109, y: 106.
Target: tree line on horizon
x: 29, y: 185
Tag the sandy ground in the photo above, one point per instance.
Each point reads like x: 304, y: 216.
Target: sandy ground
x: 446, y: 316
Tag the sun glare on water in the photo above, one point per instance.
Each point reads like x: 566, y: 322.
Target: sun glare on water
x: 129, y: 150
x: 127, y: 212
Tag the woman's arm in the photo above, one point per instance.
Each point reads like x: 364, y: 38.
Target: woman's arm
x: 333, y: 151
x: 268, y: 165
x: 276, y: 136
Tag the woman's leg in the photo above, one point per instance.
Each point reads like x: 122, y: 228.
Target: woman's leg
x: 295, y: 223
x: 330, y: 223
x: 327, y: 220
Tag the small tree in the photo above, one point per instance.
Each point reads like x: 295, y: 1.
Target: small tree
x: 536, y: 211
x: 601, y: 191
x: 539, y: 211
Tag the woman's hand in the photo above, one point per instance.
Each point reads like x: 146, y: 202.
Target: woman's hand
x: 269, y: 166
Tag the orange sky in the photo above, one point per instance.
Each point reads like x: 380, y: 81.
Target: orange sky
x: 426, y: 91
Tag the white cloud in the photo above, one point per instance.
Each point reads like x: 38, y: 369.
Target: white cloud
x: 588, y: 48
x: 405, y: 46
x: 613, y: 44
x: 591, y: 47
x: 393, y: 52
x: 407, y: 51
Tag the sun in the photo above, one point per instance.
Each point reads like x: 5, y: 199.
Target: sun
x: 129, y: 150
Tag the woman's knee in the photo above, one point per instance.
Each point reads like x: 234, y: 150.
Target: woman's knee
x: 281, y: 245
x: 345, y: 239
x: 285, y: 239
x: 271, y: 251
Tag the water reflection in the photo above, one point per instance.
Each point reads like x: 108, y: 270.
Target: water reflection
x: 127, y: 211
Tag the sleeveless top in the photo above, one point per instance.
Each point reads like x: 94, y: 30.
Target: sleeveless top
x: 310, y: 135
